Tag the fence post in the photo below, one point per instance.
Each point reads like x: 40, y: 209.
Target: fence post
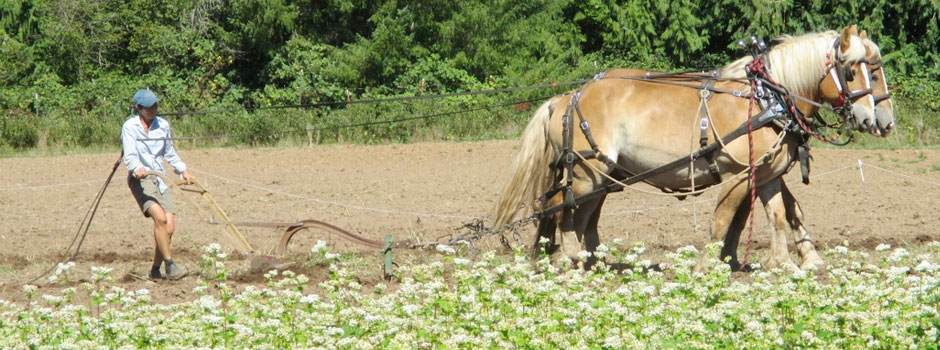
x: 387, y: 249
x: 309, y: 135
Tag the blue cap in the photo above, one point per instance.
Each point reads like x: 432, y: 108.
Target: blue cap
x: 145, y: 98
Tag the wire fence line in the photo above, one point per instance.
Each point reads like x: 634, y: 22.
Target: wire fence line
x: 347, y: 126
x: 381, y: 100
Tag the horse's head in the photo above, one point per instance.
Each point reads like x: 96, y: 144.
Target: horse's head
x: 884, y: 107
x: 846, y: 84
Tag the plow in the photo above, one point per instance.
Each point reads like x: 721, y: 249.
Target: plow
x: 215, y: 215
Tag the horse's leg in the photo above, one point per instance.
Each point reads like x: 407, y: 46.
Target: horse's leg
x: 804, y: 245
x: 730, y: 217
x: 771, y: 195
x: 733, y: 237
x: 591, y: 238
x: 573, y: 242
x: 546, y: 230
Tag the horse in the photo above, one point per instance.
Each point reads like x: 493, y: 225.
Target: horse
x: 884, y: 107
x: 633, y: 125
x: 790, y: 211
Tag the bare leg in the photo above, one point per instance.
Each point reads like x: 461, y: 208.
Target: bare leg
x: 161, y: 231
x: 170, y: 226
x: 804, y: 245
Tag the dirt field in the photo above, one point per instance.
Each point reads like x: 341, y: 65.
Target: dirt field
x: 424, y: 190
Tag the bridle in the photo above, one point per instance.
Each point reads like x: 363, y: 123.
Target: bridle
x: 876, y: 65
x: 841, y: 73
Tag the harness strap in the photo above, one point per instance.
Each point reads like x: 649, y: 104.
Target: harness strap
x: 705, y: 94
x: 679, y: 80
x: 805, y: 157
x: 569, y: 204
x: 763, y: 119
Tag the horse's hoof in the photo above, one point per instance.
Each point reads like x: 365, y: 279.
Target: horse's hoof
x: 813, y: 264
x: 784, y: 264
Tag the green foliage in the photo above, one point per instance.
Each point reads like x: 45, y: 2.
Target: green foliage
x: 79, y: 61
x: 18, y: 132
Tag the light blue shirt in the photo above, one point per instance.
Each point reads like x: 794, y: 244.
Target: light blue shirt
x: 149, y: 154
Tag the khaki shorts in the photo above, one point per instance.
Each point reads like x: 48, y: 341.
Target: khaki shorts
x: 147, y: 194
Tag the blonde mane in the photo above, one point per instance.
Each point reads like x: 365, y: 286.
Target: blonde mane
x: 798, y: 62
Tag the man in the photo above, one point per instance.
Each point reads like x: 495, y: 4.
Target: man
x: 152, y: 194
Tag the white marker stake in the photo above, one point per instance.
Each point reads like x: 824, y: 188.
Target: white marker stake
x: 860, y: 172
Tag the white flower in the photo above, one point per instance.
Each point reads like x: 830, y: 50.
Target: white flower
x: 445, y: 249
x: 410, y: 309
x: 310, y: 299
x: 799, y: 275
x: 334, y: 331
x: 898, y: 254
x: 882, y: 247
x: 213, y: 248
x: 320, y: 248
x: 583, y: 255
x: 461, y: 261
x: 926, y: 266
x: 687, y: 250
x: 355, y: 285
x: 897, y: 271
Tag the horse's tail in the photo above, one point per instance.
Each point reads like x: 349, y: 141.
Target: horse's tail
x: 531, y: 174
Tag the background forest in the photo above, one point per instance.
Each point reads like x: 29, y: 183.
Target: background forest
x: 270, y: 71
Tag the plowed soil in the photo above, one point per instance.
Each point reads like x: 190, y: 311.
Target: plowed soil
x: 409, y: 191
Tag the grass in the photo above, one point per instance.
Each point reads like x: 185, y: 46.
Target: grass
x: 918, y: 126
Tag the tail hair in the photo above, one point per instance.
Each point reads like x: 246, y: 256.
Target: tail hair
x: 531, y: 175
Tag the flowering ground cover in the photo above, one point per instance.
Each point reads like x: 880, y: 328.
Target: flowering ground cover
x: 883, y: 299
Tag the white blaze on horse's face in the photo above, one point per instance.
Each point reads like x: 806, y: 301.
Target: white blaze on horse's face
x: 884, y: 107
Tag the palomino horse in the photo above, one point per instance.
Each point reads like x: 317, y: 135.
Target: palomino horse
x: 884, y: 107
x: 638, y: 125
x: 790, y: 211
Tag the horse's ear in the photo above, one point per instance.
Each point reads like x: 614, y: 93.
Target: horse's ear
x: 863, y: 34
x: 847, y: 33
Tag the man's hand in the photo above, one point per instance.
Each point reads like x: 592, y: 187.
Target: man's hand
x: 140, y: 173
x: 187, y: 177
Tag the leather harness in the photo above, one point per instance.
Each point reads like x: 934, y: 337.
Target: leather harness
x: 773, y: 110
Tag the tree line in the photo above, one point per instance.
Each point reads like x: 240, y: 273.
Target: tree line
x: 73, y: 61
